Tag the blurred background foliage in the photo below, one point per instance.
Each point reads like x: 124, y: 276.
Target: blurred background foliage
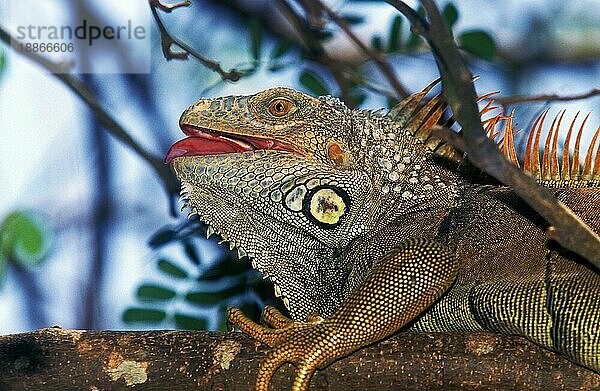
x: 25, y: 240
x: 100, y: 245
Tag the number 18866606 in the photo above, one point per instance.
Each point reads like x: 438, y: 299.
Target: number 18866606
x: 44, y: 47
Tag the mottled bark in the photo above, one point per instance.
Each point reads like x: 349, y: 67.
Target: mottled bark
x: 56, y: 359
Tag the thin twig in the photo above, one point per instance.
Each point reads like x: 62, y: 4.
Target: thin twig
x: 170, y: 7
x: 167, y: 41
x: 111, y: 125
x: 379, y: 58
x: 511, y: 100
x: 566, y: 228
x: 314, y: 13
x: 449, y: 136
x: 312, y: 43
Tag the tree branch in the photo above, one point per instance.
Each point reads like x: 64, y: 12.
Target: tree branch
x: 511, y: 100
x: 110, y: 124
x: 312, y: 43
x: 184, y: 360
x: 379, y: 58
x: 168, y: 8
x: 566, y: 228
x: 167, y: 41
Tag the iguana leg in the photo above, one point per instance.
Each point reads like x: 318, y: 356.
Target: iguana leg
x: 397, y: 289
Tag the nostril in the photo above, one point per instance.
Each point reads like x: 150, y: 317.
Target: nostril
x: 202, y: 104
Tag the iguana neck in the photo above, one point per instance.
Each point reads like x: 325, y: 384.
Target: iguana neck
x: 407, y: 176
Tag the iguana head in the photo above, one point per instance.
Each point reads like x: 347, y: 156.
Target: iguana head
x: 293, y: 182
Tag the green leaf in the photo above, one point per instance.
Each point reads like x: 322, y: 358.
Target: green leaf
x: 171, y: 269
x: 227, y: 266
x: 282, y: 47
x: 2, y: 61
x: 256, y: 32
x: 377, y: 43
x: 414, y: 41
x: 24, y: 238
x: 148, y: 292
x: 162, y: 236
x: 212, y: 298
x: 146, y: 315
x: 323, y: 35
x: 479, y: 43
x: 353, y: 18
x: 3, y: 267
x: 395, y: 34
x: 190, y: 251
x: 450, y: 14
x: 312, y: 83
x: 391, y: 102
x: 358, y: 99
x: 276, y: 67
x: 188, y: 322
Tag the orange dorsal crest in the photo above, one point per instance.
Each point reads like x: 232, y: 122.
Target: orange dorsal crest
x: 546, y: 165
x: 418, y: 115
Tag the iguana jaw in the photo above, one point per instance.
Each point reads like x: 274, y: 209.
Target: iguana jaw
x: 205, y: 142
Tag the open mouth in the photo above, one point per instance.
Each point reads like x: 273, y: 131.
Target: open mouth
x: 205, y: 142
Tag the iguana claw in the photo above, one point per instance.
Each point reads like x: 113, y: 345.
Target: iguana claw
x: 272, y: 317
x: 309, y: 345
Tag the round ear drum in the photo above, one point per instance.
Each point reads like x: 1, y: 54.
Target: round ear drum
x: 326, y: 206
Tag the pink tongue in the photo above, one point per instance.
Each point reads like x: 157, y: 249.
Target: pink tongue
x: 199, y: 146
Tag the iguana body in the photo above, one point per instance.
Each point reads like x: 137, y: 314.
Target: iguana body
x: 366, y: 224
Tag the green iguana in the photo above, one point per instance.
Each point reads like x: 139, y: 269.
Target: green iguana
x: 366, y: 224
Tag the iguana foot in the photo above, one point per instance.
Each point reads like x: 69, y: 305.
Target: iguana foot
x: 309, y: 345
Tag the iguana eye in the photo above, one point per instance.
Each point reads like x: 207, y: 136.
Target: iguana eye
x: 280, y: 107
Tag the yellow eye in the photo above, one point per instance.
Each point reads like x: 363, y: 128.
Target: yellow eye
x: 280, y: 107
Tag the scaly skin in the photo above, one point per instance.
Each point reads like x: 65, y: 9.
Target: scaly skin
x: 363, y: 228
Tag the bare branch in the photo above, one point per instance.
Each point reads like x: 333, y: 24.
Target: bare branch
x: 170, y: 7
x: 195, y: 360
x: 313, y: 44
x: 511, y: 100
x: 379, y: 58
x: 167, y: 41
x: 314, y: 12
x: 567, y: 228
x: 450, y: 137
x: 110, y: 124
